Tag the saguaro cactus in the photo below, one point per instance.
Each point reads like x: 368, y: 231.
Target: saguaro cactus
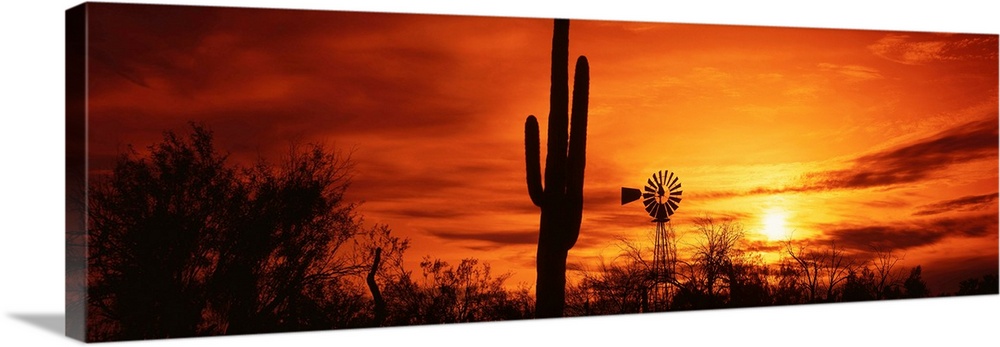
x: 373, y: 286
x: 561, y: 199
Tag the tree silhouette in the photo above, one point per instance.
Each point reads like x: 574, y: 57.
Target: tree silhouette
x: 149, y: 224
x: 788, y: 288
x: 619, y: 286
x: 914, y: 286
x: 284, y: 251
x: 722, y: 269
x: 716, y: 251
x: 469, y: 292
x: 978, y: 286
x: 183, y: 244
x: 837, y: 267
x: 808, y: 263
x: 886, y: 276
x: 858, y: 286
x: 823, y: 269
x: 748, y: 282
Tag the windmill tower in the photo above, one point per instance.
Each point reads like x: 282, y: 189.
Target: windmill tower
x: 661, y: 197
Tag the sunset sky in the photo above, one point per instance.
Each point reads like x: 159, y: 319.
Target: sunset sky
x: 863, y: 137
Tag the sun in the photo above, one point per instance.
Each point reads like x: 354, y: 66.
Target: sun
x: 775, y: 223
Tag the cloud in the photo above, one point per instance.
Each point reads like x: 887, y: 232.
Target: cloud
x: 922, y: 49
x: 909, y: 163
x: 965, y: 203
x: 494, y: 238
x: 887, y: 203
x: 575, y: 266
x: 913, y: 234
x: 424, y: 212
x: 765, y: 246
x: 261, y: 77
x: 917, y: 161
x: 852, y: 72
x: 416, y: 97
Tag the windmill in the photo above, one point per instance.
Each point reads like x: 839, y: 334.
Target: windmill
x: 661, y: 197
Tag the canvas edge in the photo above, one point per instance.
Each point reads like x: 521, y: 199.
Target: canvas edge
x: 76, y: 134
x: 76, y: 167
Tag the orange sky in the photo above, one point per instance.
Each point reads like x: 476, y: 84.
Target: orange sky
x: 859, y: 136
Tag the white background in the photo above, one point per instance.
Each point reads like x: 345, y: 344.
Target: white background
x: 31, y: 193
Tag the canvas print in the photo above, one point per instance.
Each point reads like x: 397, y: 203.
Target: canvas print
x: 238, y: 171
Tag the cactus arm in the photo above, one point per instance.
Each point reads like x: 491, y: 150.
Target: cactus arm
x: 533, y: 160
x: 576, y: 161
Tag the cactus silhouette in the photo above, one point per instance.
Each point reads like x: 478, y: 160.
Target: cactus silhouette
x: 376, y: 293
x: 561, y: 199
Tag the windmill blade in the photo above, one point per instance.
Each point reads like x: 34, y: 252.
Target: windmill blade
x: 657, y: 181
x: 670, y: 209
x: 630, y: 195
x: 661, y: 212
x: 677, y: 193
x: 670, y: 176
x: 651, y: 209
x: 648, y: 195
x: 678, y: 186
x: 674, y: 181
x: 648, y: 201
x: 672, y: 204
x: 675, y: 199
x: 650, y: 186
